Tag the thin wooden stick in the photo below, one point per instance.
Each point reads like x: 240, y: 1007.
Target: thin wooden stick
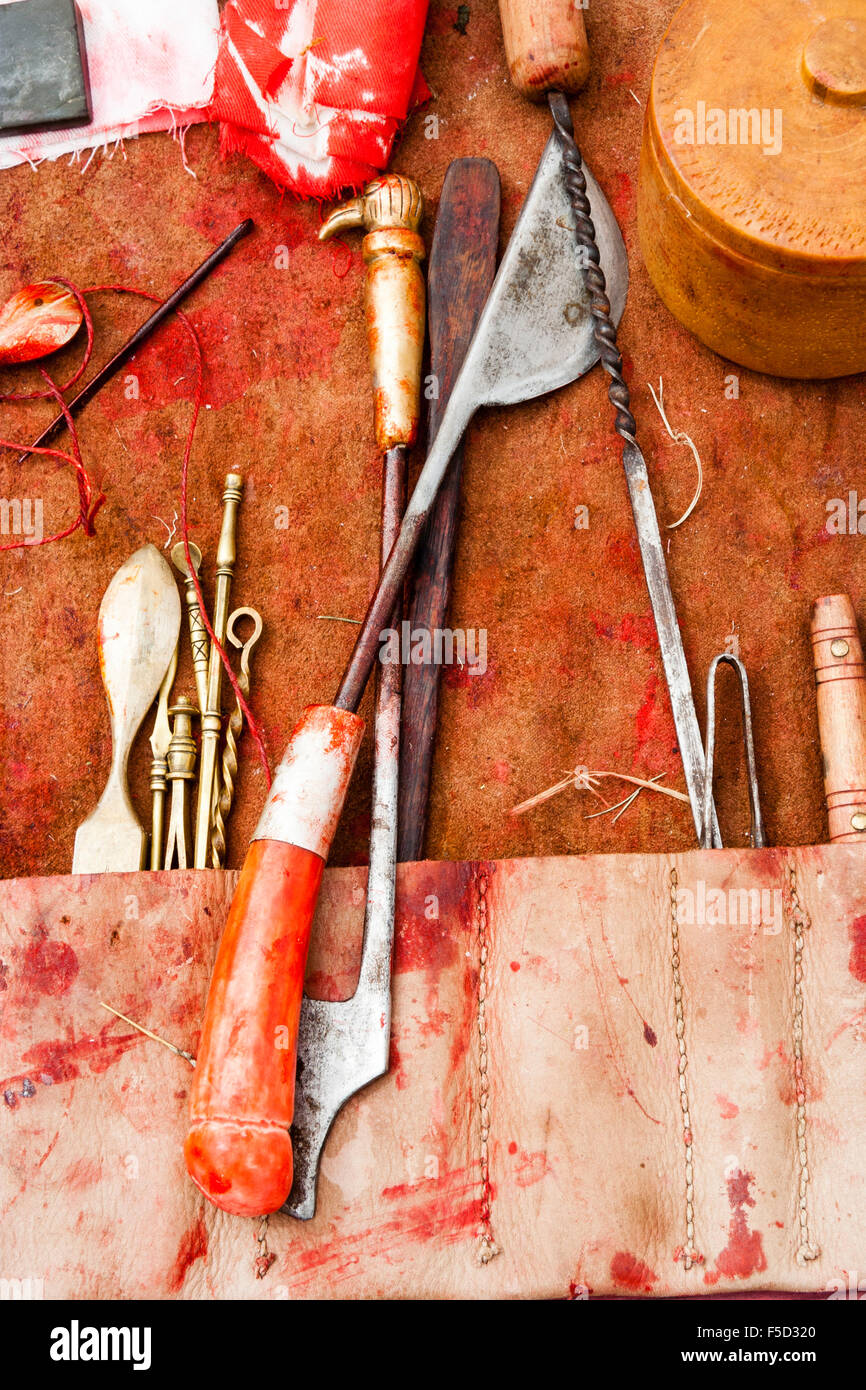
x: 178, y: 1051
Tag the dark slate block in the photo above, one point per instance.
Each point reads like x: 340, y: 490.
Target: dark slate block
x: 43, y: 66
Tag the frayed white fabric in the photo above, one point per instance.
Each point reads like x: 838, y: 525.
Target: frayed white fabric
x: 151, y: 68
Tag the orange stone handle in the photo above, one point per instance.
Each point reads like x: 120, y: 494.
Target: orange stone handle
x: 841, y: 677
x: 546, y: 45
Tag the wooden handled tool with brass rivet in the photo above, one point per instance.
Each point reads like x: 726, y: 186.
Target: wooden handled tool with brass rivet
x: 840, y: 674
x: 242, y: 1100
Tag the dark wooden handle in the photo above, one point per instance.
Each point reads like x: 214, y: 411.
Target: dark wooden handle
x: 841, y: 677
x: 462, y: 267
x: 545, y: 44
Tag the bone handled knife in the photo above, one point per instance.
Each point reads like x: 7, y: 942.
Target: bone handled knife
x: 840, y: 674
x: 139, y: 624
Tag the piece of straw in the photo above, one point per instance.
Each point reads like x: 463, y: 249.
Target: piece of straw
x: 587, y: 781
x: 178, y: 1051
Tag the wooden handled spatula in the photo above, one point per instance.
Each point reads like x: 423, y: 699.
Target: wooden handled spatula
x: 139, y: 624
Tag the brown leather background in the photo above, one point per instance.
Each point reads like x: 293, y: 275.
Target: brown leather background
x: 574, y: 673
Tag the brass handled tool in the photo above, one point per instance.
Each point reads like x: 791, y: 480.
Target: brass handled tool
x: 238, y: 1149
x: 139, y: 624
x: 211, y: 718
x: 159, y: 745
x: 181, y: 771
x: 840, y: 674
x: 199, y: 639
x: 548, y: 56
x: 756, y: 833
x: 234, y: 728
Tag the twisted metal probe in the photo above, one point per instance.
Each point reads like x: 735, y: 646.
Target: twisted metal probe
x: 234, y: 728
x: 643, y: 507
x: 603, y: 326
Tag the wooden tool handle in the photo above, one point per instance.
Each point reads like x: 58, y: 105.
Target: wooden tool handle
x: 462, y: 269
x: 545, y: 44
x: 238, y: 1149
x: 841, y: 676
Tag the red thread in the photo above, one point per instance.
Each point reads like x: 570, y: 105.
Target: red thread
x: 90, y: 506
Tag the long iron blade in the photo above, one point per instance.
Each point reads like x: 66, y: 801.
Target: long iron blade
x: 535, y: 334
x: 670, y: 641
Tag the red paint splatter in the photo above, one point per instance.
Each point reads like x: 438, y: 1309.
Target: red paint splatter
x: 621, y: 553
x: 448, y: 1217
x: 50, y: 967
x: 636, y: 629
x: 627, y: 78
x: 515, y: 966
x: 61, y: 1060
x: 744, y: 1253
x: 646, y: 713
x: 617, y: 1055
x: 857, y: 959
x: 431, y: 920
x: 192, y: 1247
x: 478, y: 685
x: 84, y: 1173
x: 629, y: 1272
x: 512, y: 1147
x: 531, y: 1168
x: 727, y: 1109
x: 395, y: 1065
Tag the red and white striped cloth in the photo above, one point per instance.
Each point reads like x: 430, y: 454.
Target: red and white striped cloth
x: 315, y: 91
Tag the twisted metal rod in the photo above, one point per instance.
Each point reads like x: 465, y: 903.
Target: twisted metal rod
x: 603, y: 326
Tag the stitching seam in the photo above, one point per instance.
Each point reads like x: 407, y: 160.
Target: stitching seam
x: 799, y: 920
x: 487, y: 1247
x: 691, y: 1255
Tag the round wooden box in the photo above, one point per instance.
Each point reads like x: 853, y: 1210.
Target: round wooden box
x: 752, y: 191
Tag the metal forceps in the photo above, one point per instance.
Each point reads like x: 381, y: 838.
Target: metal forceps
x: 757, y: 838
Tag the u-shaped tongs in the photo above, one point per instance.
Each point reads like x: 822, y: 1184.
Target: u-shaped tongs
x: 756, y: 834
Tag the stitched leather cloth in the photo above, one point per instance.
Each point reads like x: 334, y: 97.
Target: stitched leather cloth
x: 604, y: 1079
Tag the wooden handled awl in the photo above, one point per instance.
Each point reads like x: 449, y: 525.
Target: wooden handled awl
x: 239, y: 1150
x: 545, y: 45
x: 840, y: 674
x: 545, y: 42
x: 139, y: 624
